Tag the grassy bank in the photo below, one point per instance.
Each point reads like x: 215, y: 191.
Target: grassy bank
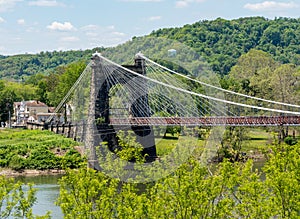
x: 36, y: 149
x: 44, y: 150
x: 256, y: 140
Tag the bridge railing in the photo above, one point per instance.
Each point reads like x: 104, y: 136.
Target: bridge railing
x: 68, y: 129
x: 209, y: 121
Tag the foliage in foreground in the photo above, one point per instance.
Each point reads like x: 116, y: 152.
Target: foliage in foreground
x: 16, y: 200
x: 234, y: 190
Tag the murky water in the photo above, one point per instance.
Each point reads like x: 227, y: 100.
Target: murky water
x: 47, y: 193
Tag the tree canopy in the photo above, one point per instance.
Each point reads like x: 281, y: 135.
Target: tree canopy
x: 220, y: 42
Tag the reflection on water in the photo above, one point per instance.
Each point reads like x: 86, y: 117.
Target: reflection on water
x: 47, y: 193
x: 259, y: 164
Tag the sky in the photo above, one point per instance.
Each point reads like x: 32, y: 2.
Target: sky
x: 32, y: 26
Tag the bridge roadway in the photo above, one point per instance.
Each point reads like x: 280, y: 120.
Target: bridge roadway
x: 210, y: 121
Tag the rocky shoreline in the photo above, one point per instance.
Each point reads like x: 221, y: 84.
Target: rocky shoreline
x: 12, y: 173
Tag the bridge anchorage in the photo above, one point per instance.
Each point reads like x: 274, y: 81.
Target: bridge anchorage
x: 99, y: 110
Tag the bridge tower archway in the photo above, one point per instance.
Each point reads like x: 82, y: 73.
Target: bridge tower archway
x: 99, y: 129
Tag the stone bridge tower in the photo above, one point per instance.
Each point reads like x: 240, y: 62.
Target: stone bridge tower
x: 98, y: 128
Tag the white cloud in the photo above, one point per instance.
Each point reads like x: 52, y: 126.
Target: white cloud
x: 2, y: 20
x: 46, y: 3
x: 111, y: 27
x: 21, y: 21
x: 118, y: 33
x: 91, y: 34
x: 8, y: 4
x: 66, y: 26
x: 271, y: 6
x: 186, y: 3
x: 96, y: 31
x: 89, y: 27
x: 101, y: 35
x: 69, y: 39
x: 181, y: 4
x: 154, y: 18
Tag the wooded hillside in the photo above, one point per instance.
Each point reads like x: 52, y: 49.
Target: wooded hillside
x: 220, y: 42
x: 18, y: 67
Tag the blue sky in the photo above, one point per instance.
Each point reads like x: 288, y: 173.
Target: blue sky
x: 32, y: 26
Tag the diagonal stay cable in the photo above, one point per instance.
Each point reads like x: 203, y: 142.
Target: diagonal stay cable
x: 219, y: 88
x: 197, y: 94
x: 75, y: 85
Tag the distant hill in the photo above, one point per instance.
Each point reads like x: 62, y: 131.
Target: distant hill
x: 220, y: 42
x: 17, y: 67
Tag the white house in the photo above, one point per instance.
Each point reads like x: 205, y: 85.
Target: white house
x: 28, y: 111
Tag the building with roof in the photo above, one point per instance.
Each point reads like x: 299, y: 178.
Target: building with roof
x: 30, y: 111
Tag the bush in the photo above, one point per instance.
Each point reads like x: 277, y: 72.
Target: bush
x: 72, y: 159
x: 32, y: 149
x: 290, y: 140
x: 42, y: 159
x: 17, y: 163
x: 233, y: 190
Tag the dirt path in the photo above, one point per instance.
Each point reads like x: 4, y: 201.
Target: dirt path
x: 9, y: 172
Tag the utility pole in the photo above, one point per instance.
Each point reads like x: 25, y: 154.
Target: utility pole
x: 9, y: 115
x: 9, y: 119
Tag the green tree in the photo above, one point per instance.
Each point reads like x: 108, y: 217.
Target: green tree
x: 66, y: 76
x: 231, y: 144
x: 283, y: 180
x: 284, y: 83
x: 17, y: 199
x: 7, y: 97
x: 250, y: 69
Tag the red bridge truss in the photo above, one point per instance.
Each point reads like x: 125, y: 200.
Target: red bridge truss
x: 210, y: 121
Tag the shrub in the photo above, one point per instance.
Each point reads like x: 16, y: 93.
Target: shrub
x: 17, y: 163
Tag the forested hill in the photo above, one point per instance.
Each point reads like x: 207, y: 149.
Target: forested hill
x: 19, y: 66
x: 221, y: 42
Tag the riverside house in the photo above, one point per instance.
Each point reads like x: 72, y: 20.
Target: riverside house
x: 30, y: 111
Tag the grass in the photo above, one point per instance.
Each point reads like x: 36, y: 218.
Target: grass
x: 164, y: 145
x: 257, y: 139
x: 15, y: 137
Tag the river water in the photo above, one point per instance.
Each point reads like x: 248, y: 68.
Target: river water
x: 47, y: 193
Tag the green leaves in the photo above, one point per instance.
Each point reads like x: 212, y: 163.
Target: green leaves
x: 36, y: 149
x: 17, y: 200
x: 283, y: 179
x: 233, y: 190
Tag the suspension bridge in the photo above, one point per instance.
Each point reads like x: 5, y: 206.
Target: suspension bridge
x: 108, y: 97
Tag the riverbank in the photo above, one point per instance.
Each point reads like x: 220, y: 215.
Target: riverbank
x: 255, y: 156
x: 13, y: 173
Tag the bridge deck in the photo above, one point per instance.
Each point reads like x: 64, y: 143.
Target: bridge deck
x: 210, y: 121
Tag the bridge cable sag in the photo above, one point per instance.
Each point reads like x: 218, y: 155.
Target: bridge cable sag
x: 198, y: 94
x: 219, y: 88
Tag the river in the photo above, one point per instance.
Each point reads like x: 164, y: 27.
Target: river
x: 47, y: 193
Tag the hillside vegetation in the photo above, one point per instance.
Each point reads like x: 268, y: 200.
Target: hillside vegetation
x: 18, y: 67
x: 220, y: 42
x: 35, y: 149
